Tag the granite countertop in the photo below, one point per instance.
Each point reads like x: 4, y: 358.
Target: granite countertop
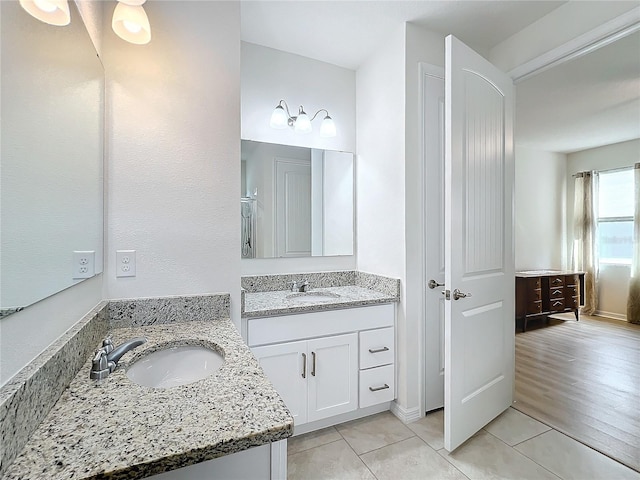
x: 120, y: 430
x: 546, y: 273
x: 264, y: 304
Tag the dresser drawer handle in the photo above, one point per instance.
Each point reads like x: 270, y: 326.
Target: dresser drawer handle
x: 557, y: 304
x: 376, y: 389
x: 557, y: 280
x: 556, y: 292
x: 378, y: 350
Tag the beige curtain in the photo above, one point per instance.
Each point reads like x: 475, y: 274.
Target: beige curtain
x: 633, y: 303
x: 584, y: 237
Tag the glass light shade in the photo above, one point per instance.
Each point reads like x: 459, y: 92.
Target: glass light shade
x: 130, y: 23
x: 303, y: 124
x: 53, y: 12
x: 279, y: 118
x: 327, y: 128
x: 133, y: 3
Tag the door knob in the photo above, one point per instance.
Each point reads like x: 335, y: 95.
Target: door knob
x: 433, y: 284
x: 457, y: 294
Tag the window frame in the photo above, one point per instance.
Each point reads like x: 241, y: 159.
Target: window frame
x: 599, y: 220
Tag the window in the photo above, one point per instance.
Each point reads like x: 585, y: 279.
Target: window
x: 615, y: 216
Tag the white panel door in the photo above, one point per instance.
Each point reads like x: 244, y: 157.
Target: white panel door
x: 333, y: 376
x: 479, y: 261
x: 433, y: 158
x: 286, y: 367
x: 293, y: 208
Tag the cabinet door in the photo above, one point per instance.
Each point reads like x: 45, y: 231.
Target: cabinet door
x: 333, y: 376
x: 284, y: 365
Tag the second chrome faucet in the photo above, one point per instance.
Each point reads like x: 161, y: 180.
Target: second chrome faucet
x: 107, y: 357
x: 299, y: 287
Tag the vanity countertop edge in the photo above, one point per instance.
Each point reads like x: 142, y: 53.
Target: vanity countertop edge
x: 120, y: 430
x: 273, y: 303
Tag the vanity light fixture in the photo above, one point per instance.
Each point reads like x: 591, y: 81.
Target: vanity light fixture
x: 282, y: 118
x: 130, y: 22
x: 53, y: 12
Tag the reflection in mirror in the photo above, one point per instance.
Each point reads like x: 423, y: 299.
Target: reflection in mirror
x: 296, y: 201
x: 52, y: 97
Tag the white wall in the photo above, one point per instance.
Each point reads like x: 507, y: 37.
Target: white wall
x: 269, y: 76
x: 554, y: 29
x: 24, y: 335
x: 174, y: 152
x: 540, y: 201
x: 614, y: 279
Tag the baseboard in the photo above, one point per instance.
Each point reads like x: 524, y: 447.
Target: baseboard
x: 338, y: 419
x: 405, y: 415
x: 615, y: 316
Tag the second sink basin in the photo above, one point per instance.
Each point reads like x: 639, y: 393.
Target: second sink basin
x: 309, y: 297
x: 174, y: 366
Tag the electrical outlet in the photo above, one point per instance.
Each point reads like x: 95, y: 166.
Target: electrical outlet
x: 125, y: 263
x: 84, y: 264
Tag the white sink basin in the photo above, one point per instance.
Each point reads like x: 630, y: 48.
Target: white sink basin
x: 175, y: 366
x: 312, y: 297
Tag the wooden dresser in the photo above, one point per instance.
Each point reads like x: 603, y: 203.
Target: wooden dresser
x: 540, y: 293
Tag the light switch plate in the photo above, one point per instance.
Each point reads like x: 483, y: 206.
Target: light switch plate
x: 84, y: 264
x: 125, y: 263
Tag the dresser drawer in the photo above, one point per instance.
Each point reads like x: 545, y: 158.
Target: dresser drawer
x: 533, y: 283
x: 535, y: 295
x: 534, y: 307
x: 556, y: 281
x: 572, y: 280
x: 570, y: 291
x: 376, y: 347
x: 556, y: 305
x: 572, y: 302
x: 556, y: 293
x: 377, y: 385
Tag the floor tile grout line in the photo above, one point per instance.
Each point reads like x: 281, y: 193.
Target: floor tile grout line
x: 531, y: 438
x: 311, y: 448
x: 359, y: 457
x: 451, y: 463
x: 389, y: 444
x: 526, y: 456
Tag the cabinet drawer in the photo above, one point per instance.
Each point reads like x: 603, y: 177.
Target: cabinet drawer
x: 376, y: 347
x: 570, y: 291
x: 556, y: 293
x: 572, y: 302
x: 377, y: 385
x: 556, y: 305
x: 556, y: 281
x: 533, y: 283
x: 535, y: 295
x: 572, y: 280
x: 534, y: 307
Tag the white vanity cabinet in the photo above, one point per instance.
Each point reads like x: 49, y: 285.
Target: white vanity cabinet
x: 316, y: 378
x: 329, y: 363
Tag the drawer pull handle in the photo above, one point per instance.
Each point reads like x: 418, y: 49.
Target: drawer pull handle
x: 378, y: 350
x: 556, y: 292
x: 557, y: 304
x: 304, y: 365
x: 313, y: 366
x: 376, y: 389
x: 557, y: 280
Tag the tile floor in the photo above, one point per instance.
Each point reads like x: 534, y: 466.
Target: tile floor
x: 513, y: 446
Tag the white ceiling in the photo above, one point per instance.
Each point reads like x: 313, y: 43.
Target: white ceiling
x: 584, y: 103
x: 345, y: 33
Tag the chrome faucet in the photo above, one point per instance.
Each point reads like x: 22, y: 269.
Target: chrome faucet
x: 299, y: 287
x: 107, y: 357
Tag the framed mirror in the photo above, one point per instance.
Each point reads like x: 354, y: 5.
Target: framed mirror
x: 51, y: 165
x: 296, y: 201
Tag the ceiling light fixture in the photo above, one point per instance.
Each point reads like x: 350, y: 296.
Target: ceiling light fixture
x: 130, y: 22
x: 53, y: 12
x: 282, y: 118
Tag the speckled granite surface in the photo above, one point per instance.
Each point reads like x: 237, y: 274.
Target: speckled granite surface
x: 264, y: 304
x: 29, y: 396
x: 119, y: 430
x: 387, y: 285
x: 136, y: 312
x: 268, y: 283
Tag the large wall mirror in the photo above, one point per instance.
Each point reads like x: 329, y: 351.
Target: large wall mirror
x: 296, y: 202
x: 51, y: 164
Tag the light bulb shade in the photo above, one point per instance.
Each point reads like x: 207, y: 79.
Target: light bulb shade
x: 327, y: 128
x: 53, y: 12
x: 303, y: 124
x: 130, y: 23
x: 134, y: 3
x: 279, y: 118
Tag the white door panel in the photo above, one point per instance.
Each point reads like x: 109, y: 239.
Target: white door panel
x: 479, y: 329
x: 293, y: 208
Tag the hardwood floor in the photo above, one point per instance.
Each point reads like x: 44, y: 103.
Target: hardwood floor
x: 583, y: 379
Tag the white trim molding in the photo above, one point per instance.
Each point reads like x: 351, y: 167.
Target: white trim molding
x: 406, y: 415
x: 614, y: 316
x: 602, y: 35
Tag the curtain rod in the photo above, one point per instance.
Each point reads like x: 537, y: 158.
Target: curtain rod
x: 619, y: 169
